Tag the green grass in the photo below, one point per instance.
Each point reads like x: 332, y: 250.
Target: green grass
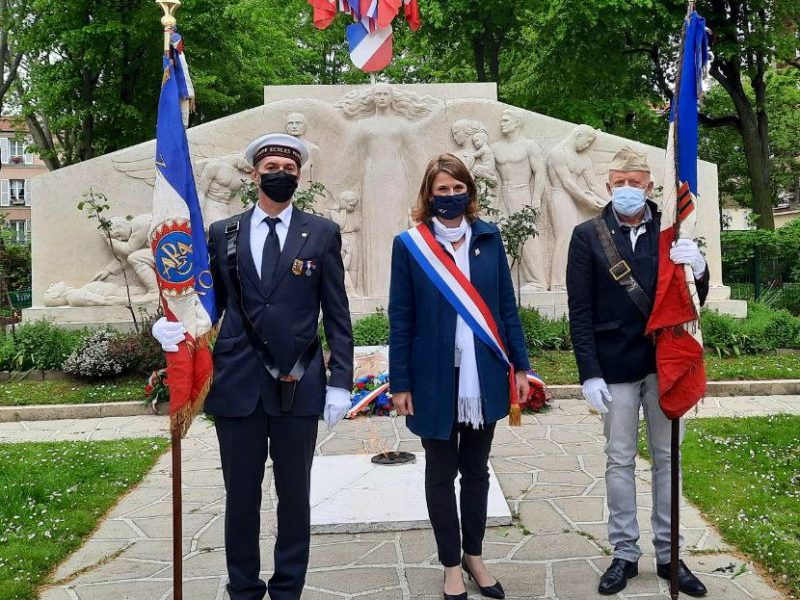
x: 559, y: 367
x: 26, y: 393
x: 53, y: 494
x: 744, y: 476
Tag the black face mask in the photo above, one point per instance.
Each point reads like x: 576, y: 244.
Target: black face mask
x: 450, y: 207
x: 279, y: 186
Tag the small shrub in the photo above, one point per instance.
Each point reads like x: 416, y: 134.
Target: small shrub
x: 372, y: 330
x: 138, y: 353
x: 93, y: 359
x: 41, y: 345
x: 542, y: 333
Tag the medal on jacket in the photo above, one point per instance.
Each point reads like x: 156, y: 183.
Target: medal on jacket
x: 297, y: 267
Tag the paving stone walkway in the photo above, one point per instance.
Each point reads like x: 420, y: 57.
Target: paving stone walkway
x: 550, y: 470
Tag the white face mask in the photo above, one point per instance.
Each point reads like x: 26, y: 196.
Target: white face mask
x: 627, y: 200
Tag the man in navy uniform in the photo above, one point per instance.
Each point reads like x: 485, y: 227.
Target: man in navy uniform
x: 612, y: 271
x: 274, y: 267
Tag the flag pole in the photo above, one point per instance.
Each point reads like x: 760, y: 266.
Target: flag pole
x: 675, y: 449
x: 169, y: 22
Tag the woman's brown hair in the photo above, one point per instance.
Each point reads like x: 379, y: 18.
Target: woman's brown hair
x: 453, y: 166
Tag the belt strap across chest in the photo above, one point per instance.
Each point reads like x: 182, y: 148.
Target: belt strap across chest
x: 619, y: 269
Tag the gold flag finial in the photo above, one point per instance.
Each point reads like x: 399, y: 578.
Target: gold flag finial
x: 168, y: 20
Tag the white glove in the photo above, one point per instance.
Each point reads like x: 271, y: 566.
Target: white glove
x: 595, y: 391
x: 686, y: 252
x: 169, y: 334
x: 337, y: 405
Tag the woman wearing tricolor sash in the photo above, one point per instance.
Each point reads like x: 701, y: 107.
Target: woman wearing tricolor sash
x: 456, y: 356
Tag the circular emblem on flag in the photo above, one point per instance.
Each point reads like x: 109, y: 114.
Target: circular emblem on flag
x: 171, y: 242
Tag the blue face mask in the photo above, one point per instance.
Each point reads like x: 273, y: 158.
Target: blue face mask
x: 627, y: 200
x: 450, y: 207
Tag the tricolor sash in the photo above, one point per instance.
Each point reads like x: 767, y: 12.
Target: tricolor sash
x: 462, y: 296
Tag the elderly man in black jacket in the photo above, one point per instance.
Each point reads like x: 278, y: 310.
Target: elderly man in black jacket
x: 274, y: 269
x: 612, y: 272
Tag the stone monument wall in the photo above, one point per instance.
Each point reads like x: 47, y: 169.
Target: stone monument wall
x: 369, y: 147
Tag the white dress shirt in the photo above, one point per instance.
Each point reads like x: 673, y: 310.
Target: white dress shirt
x: 259, y: 230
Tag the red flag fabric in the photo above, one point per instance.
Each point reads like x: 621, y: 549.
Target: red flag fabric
x: 411, y: 12
x: 387, y: 11
x: 324, y: 12
x: 679, y: 356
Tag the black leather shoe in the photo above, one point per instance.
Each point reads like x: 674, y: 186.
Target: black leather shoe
x: 687, y: 582
x: 462, y: 596
x: 492, y: 591
x: 616, y: 576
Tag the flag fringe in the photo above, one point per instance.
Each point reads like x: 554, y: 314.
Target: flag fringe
x: 184, y: 417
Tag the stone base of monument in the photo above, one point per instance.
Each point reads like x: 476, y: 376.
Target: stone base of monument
x: 351, y: 494
x: 72, y: 317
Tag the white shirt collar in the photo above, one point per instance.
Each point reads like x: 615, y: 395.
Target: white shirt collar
x: 285, y: 215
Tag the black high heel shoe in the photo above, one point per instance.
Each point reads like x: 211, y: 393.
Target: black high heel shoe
x: 462, y: 596
x: 492, y: 591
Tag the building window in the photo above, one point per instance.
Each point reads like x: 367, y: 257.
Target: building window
x: 16, y: 152
x: 20, y: 230
x: 17, y: 190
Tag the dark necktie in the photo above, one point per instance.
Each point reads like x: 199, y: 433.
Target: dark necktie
x: 271, y: 252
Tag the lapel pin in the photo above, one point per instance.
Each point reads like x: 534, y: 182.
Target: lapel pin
x: 304, y: 234
x: 477, y: 251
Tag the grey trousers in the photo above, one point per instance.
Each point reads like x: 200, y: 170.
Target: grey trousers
x: 621, y: 429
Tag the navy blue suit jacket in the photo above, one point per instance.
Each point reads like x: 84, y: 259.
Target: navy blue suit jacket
x: 608, y: 329
x: 423, y: 330
x: 286, y: 315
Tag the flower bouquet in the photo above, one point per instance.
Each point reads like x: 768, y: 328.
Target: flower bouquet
x: 156, y: 391
x: 370, y: 396
x: 537, y: 397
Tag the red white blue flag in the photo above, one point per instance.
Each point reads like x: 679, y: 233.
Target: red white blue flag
x: 370, y: 37
x: 675, y: 321
x: 179, y: 247
x: 370, y: 50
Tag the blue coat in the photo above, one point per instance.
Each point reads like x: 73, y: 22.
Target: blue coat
x: 423, y: 329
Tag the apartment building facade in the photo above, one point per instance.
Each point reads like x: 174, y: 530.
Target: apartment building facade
x: 17, y: 169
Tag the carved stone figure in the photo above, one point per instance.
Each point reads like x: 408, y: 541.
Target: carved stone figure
x: 386, y: 129
x: 521, y: 165
x: 575, y: 195
x: 129, y: 242
x: 347, y: 215
x: 222, y: 181
x: 472, y: 138
x: 347, y: 260
x: 94, y: 293
x: 297, y: 125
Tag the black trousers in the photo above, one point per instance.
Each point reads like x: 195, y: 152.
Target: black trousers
x: 466, y: 452
x: 244, y: 443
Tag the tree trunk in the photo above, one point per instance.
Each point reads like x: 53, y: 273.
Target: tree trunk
x: 755, y: 137
x: 479, y: 53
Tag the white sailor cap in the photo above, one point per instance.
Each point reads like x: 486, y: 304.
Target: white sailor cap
x: 277, y: 144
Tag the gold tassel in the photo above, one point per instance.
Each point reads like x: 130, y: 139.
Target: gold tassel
x: 515, y: 416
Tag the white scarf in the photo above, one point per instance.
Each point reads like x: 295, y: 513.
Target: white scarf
x: 470, y: 407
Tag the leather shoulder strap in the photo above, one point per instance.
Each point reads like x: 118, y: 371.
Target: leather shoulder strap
x: 619, y: 269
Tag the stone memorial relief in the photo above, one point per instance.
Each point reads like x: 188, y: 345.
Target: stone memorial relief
x: 369, y: 146
x: 386, y: 153
x: 347, y: 215
x: 576, y: 194
x: 472, y: 138
x: 222, y: 183
x: 521, y: 166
